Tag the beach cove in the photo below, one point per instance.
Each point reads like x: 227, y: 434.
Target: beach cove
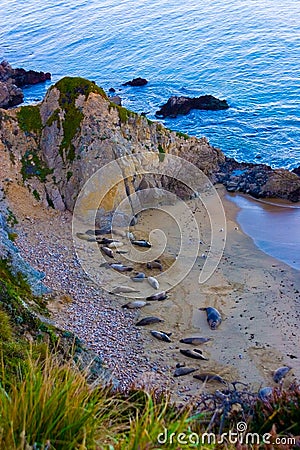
x: 257, y: 295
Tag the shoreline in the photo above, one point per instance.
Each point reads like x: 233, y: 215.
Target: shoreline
x: 273, y: 225
x: 256, y: 294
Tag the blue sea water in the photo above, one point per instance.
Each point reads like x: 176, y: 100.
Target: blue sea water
x: 275, y: 228
x: 246, y: 51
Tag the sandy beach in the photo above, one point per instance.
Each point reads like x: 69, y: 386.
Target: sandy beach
x: 257, y: 296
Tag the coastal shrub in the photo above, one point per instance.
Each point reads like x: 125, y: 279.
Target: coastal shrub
x: 51, y: 404
x: 17, y: 316
x: 29, y: 119
x: 282, y: 411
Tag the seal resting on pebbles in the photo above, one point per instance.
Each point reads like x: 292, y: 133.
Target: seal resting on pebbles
x: 148, y: 321
x: 156, y: 264
x: 123, y: 290
x: 180, y: 371
x: 135, y: 304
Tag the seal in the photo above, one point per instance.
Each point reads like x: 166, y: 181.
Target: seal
x: 138, y: 277
x: 153, y: 282
x: 159, y: 296
x: 213, y: 317
x: 135, y: 304
x: 123, y: 289
x: 115, y: 244
x: 105, y: 241
x: 195, y: 340
x: 209, y: 377
x: 85, y: 237
x: 161, y: 336
x: 280, y: 373
x: 148, y: 321
x: 180, y: 371
x: 196, y: 354
x: 120, y: 267
x: 265, y: 393
x: 156, y: 264
x: 107, y: 251
x: 141, y: 243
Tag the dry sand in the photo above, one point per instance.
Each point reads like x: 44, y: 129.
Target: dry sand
x: 257, y: 295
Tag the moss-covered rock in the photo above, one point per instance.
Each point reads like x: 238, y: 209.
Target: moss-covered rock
x: 29, y: 119
x: 70, y: 88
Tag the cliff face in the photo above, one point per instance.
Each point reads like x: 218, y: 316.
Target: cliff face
x: 55, y: 147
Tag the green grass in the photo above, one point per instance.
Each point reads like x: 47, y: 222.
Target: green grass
x: 47, y: 402
x: 52, y: 404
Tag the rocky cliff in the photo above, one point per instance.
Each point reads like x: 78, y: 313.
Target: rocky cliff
x: 55, y: 146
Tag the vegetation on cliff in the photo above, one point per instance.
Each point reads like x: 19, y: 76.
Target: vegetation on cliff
x: 48, y: 402
x: 70, y: 88
x: 30, y: 119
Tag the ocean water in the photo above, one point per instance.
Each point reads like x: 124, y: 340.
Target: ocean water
x: 275, y: 228
x: 246, y: 51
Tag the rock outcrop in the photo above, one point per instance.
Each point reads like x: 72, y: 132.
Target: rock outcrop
x: 55, y: 147
x: 296, y: 171
x: 259, y: 180
x: 11, y: 80
x: 183, y: 105
x: 136, y: 82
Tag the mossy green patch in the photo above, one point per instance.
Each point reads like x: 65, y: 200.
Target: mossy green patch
x: 182, y: 135
x: 161, y: 154
x: 12, y: 236
x: 53, y: 118
x: 29, y: 119
x: 36, y: 194
x: 124, y: 113
x: 33, y: 166
x: 11, y: 218
x: 70, y: 88
x: 50, y: 202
